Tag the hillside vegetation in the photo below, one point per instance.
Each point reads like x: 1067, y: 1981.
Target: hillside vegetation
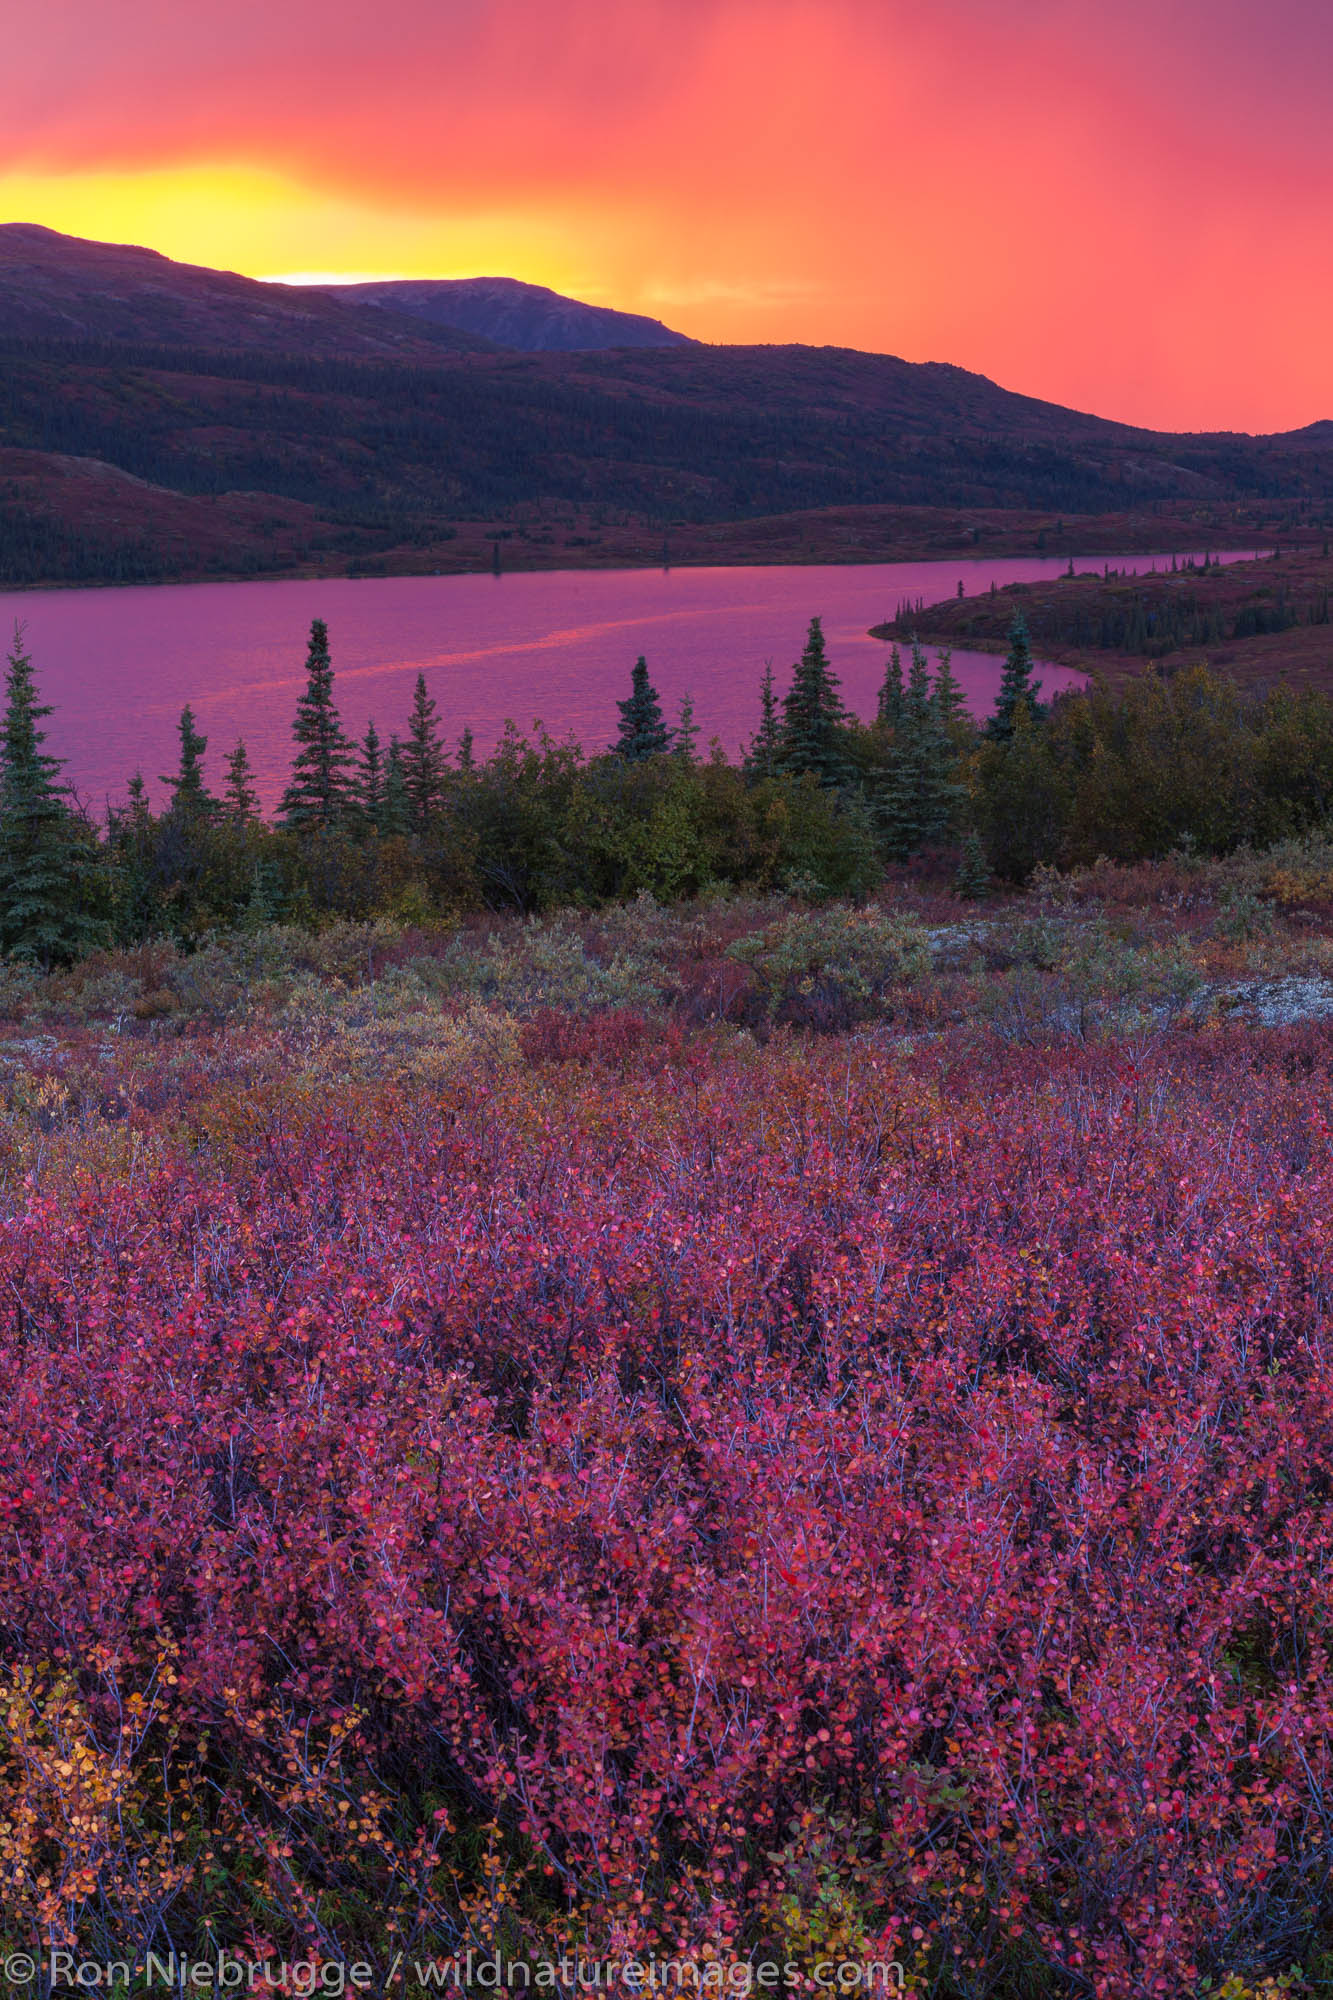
x: 400, y: 438
x: 757, y: 1435
x: 1259, y: 622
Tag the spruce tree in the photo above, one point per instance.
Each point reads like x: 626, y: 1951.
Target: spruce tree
x: 423, y: 760
x: 813, y: 716
x: 761, y: 759
x: 918, y: 796
x: 973, y: 880
x: 642, y: 732
x: 132, y: 844
x: 188, y: 796
x: 949, y: 701
x: 1017, y: 687
x: 319, y: 793
x: 685, y: 736
x: 44, y: 849
x: 238, y: 794
x: 263, y: 904
x: 467, y: 761
x: 890, y: 704
x: 370, y: 778
x: 395, y: 817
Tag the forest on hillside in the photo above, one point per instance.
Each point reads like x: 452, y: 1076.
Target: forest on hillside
x: 397, y: 453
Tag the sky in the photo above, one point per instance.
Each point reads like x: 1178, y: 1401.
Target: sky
x: 1119, y: 205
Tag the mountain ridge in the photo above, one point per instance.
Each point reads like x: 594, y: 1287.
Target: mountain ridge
x: 514, y: 314
x: 56, y: 287
x: 380, y: 439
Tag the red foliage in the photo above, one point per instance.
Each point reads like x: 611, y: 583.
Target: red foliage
x: 612, y: 1037
x: 650, y: 1461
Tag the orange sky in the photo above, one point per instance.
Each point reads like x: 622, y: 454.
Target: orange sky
x: 1120, y: 207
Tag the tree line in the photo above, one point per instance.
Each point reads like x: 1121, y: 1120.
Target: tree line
x: 1155, y: 626
x: 820, y: 803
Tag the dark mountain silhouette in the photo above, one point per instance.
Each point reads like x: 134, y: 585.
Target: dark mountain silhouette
x: 55, y: 287
x: 527, y: 317
x: 393, y: 438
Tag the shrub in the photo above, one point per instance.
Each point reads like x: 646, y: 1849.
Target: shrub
x: 806, y: 1500
x: 831, y: 965
x: 542, y: 963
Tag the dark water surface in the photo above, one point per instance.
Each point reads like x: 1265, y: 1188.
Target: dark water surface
x: 119, y: 664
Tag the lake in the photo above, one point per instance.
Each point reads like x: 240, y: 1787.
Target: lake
x: 118, y: 665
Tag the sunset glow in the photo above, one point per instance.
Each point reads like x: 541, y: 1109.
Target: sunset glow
x: 1120, y: 209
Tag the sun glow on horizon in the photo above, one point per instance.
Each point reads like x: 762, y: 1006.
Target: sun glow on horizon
x: 329, y: 277
x: 1018, y: 191
x: 263, y: 224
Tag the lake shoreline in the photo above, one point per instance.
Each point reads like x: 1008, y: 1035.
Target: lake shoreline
x: 225, y: 538
x: 315, y: 574
x: 1257, y: 617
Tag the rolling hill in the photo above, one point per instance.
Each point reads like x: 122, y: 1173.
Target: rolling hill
x: 55, y: 287
x: 378, y: 439
x: 527, y: 317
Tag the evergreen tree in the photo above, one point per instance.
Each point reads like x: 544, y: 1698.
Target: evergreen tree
x: 890, y: 704
x: 188, y: 796
x: 239, y: 794
x: 395, y: 820
x: 370, y: 777
x: 642, y: 732
x: 44, y: 848
x: 467, y: 761
x: 423, y: 761
x: 950, y: 702
x: 318, y: 796
x: 685, y: 737
x: 813, y: 716
x: 973, y: 879
x: 263, y: 904
x: 918, y: 796
x: 1023, y: 798
x: 132, y: 849
x: 762, y: 757
x: 1017, y: 687
x: 138, y: 808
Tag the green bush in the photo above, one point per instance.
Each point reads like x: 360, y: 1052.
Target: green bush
x: 825, y: 964
x: 539, y: 963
